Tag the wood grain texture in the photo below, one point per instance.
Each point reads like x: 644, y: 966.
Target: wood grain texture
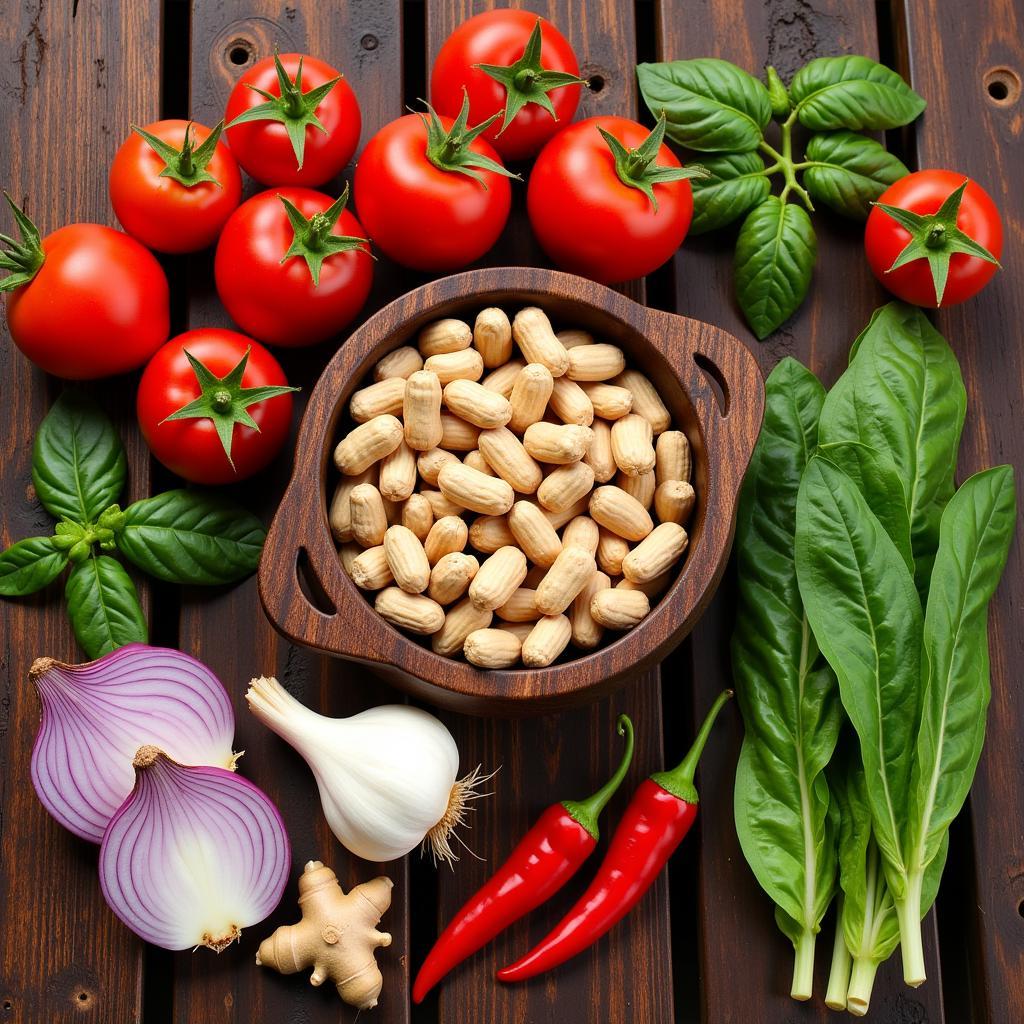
x: 63, y: 955
x: 735, y: 914
x: 666, y: 347
x: 953, y: 62
x: 227, y: 629
x: 624, y: 975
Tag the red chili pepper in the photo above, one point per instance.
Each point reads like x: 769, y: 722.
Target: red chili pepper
x: 543, y: 861
x: 658, y: 817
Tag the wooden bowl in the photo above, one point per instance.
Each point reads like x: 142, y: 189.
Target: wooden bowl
x: 706, y: 377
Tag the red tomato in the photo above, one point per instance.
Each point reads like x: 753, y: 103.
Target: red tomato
x: 97, y: 306
x: 500, y: 38
x: 279, y: 302
x: 420, y: 215
x: 163, y: 212
x: 191, y: 447
x: 588, y: 220
x: 923, y: 192
x: 264, y: 149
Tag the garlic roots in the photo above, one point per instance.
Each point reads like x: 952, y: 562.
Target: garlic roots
x: 337, y: 935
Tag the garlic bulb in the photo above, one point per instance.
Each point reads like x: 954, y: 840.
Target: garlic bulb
x: 388, y: 777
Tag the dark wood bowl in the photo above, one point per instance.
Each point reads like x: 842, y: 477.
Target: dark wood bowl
x: 706, y: 377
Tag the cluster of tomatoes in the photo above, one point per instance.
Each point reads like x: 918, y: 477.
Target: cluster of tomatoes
x: 293, y: 265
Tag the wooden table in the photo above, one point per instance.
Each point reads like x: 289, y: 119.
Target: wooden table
x: 702, y: 946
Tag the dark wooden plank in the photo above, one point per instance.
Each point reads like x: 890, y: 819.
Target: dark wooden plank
x: 228, y: 630
x: 735, y: 915
x: 63, y: 955
x: 557, y: 757
x: 969, y: 69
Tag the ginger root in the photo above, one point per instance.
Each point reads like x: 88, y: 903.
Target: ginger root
x: 337, y: 935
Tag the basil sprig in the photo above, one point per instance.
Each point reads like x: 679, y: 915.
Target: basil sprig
x: 712, y: 106
x: 181, y: 536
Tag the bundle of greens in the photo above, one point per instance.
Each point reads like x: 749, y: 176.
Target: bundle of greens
x: 864, y: 583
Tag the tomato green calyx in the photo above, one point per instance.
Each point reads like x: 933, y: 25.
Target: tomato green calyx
x: 679, y: 780
x: 23, y: 258
x: 224, y: 401
x: 450, y: 150
x: 527, y: 81
x: 313, y: 240
x: 935, y: 237
x: 586, y: 812
x: 187, y: 165
x: 636, y: 167
x: 294, y: 108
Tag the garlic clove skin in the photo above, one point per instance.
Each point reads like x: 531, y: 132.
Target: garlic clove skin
x: 385, y: 775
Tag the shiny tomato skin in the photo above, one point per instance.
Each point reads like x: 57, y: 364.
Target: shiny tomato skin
x: 924, y: 192
x: 161, y: 212
x: 588, y: 221
x: 499, y: 38
x: 191, y: 447
x: 99, y: 305
x: 421, y: 216
x: 263, y: 147
x: 278, y: 302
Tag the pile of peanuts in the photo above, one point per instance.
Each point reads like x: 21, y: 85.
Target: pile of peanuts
x: 550, y: 558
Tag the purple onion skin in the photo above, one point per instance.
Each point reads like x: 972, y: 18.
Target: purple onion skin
x: 95, y: 717
x: 151, y: 873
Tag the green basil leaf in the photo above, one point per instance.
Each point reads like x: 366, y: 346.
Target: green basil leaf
x: 849, y: 172
x: 191, y: 537
x: 103, y: 606
x: 903, y: 394
x: 775, y: 254
x: 78, y: 462
x: 976, y: 529
x: 860, y: 600
x: 710, y: 105
x: 878, y: 479
x: 852, y: 92
x: 787, y: 694
x: 735, y: 183
x: 29, y: 566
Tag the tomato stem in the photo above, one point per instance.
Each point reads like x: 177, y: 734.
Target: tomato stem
x: 187, y: 166
x: 23, y: 258
x: 313, y: 240
x: 936, y: 236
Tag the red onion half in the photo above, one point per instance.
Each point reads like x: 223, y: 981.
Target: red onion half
x: 96, y: 716
x: 193, y: 856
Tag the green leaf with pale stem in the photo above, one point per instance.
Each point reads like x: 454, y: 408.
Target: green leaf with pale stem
x: 527, y: 81
x: 786, y: 691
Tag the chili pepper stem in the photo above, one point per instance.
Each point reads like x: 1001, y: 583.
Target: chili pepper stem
x: 908, y: 910
x: 679, y: 780
x: 803, y: 967
x: 586, y: 812
x: 839, y: 973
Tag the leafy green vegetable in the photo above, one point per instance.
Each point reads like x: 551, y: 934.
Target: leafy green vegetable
x: 976, y: 529
x: 78, y: 462
x: 878, y: 479
x: 859, y: 598
x: 103, y: 606
x: 189, y: 537
x: 852, y: 92
x: 847, y: 172
x: 714, y: 106
x: 735, y: 183
x: 29, y: 566
x: 903, y: 394
x: 786, y: 691
x: 79, y: 470
x: 711, y: 105
x: 775, y: 254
